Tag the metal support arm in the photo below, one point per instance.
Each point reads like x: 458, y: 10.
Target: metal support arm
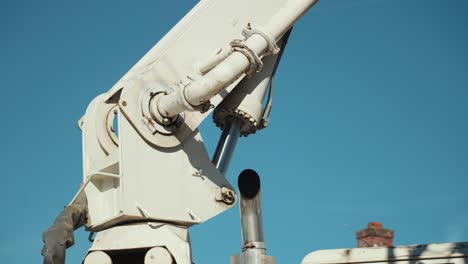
x: 259, y: 42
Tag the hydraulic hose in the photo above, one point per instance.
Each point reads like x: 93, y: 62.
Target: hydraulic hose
x: 60, y: 235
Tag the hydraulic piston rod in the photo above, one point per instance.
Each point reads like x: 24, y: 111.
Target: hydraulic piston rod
x: 227, y: 143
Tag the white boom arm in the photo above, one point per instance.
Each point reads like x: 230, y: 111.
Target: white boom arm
x: 145, y: 186
x: 259, y: 42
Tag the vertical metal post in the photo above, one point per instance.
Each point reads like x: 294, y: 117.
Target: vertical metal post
x: 250, y: 209
x: 227, y: 143
x: 253, y: 242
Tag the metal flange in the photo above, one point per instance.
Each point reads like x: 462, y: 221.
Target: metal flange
x: 136, y: 105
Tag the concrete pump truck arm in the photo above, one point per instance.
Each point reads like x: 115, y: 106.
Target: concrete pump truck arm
x: 144, y: 186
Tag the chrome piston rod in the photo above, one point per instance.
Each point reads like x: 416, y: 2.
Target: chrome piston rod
x: 227, y: 143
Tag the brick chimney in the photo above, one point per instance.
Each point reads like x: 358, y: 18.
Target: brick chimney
x: 374, y: 236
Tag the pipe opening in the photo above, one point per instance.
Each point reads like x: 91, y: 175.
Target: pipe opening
x: 249, y: 183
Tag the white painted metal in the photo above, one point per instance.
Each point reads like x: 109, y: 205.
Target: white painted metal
x: 132, y: 183
x: 203, y: 89
x: 179, y: 184
x: 210, y: 62
x: 236, y: 64
x: 158, y: 255
x: 456, y: 253
x: 101, y: 176
x: 98, y: 145
x: 152, y: 173
x: 97, y: 257
x: 140, y: 181
x: 163, y: 180
x: 146, y: 235
x: 175, y: 60
x: 246, y: 100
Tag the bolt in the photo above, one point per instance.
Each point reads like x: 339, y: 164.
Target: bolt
x: 197, y: 172
x: 227, y: 195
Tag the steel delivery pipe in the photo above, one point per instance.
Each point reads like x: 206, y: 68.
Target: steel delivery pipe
x: 236, y: 64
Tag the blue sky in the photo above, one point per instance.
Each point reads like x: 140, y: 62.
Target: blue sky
x: 369, y: 123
